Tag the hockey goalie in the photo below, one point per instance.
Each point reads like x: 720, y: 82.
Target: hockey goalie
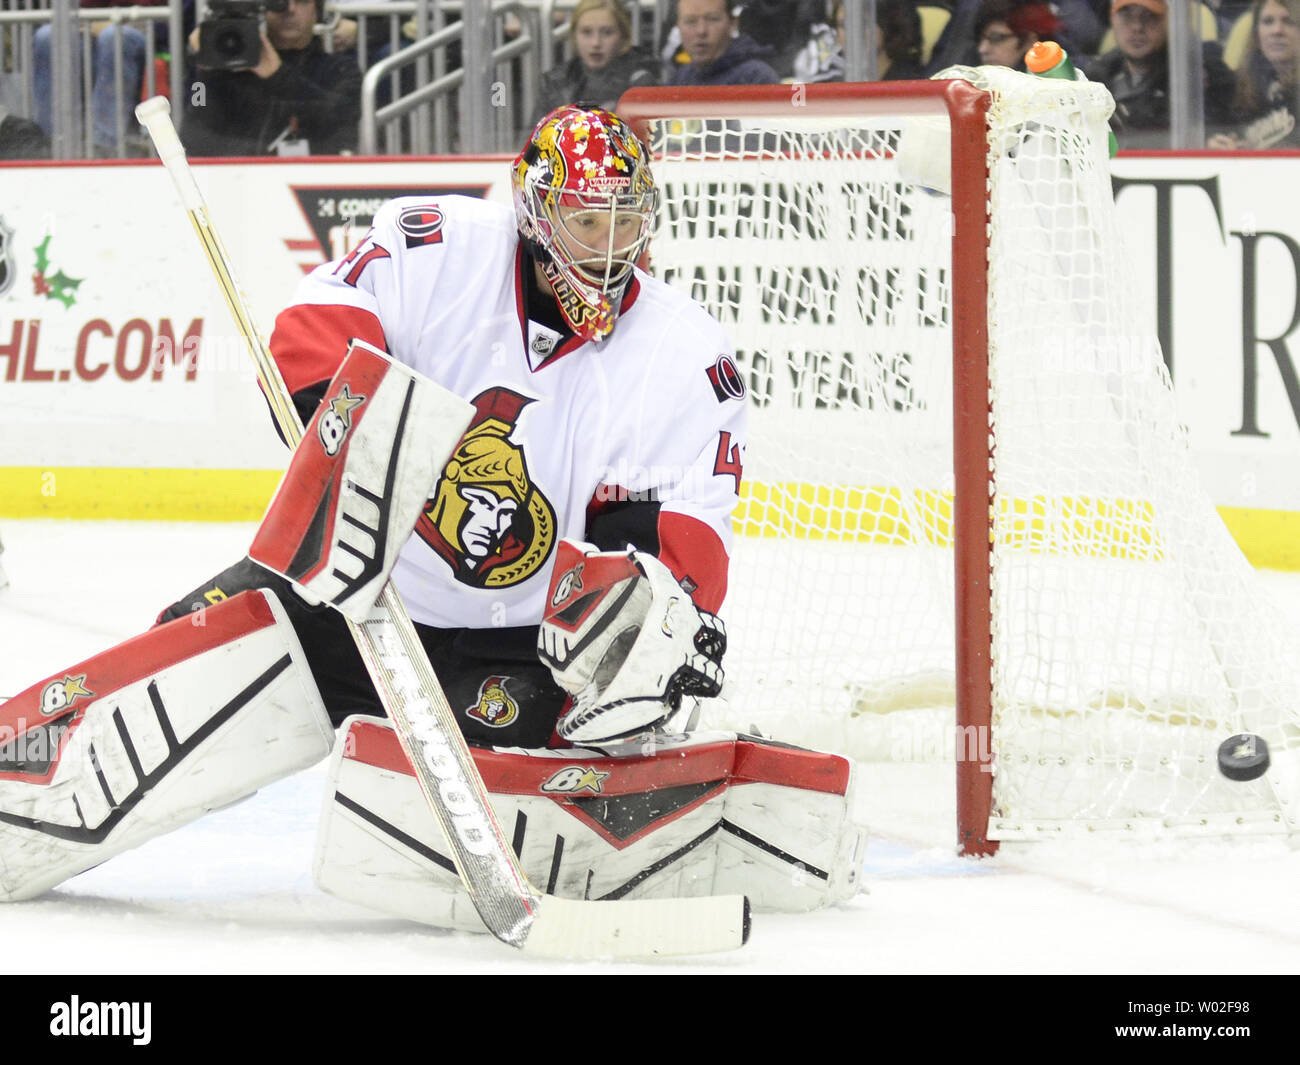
x: 541, y: 446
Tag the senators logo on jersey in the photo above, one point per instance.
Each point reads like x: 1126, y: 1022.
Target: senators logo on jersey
x: 421, y: 225
x: 487, y: 520
x: 494, y: 706
x: 726, y: 380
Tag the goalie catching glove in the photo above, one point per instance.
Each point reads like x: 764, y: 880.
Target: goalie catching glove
x: 626, y: 641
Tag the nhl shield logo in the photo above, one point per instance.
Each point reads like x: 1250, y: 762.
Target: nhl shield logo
x: 8, y: 267
x: 544, y: 343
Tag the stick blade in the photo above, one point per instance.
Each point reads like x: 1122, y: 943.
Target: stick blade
x: 637, y: 928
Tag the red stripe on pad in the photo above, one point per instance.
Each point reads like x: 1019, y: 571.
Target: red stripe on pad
x: 765, y: 763
x: 314, y: 475
x: 138, y: 658
x: 740, y: 761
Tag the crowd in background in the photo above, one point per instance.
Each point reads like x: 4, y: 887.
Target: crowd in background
x: 303, y: 94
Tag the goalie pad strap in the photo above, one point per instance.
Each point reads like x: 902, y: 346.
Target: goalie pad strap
x: 148, y: 735
x: 358, y: 480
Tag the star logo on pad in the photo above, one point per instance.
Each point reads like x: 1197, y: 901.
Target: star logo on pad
x: 334, y: 423
x: 344, y: 403
x: 60, y: 694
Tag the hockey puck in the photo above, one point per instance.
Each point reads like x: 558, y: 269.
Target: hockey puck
x: 1243, y: 757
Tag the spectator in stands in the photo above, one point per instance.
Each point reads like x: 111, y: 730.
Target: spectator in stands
x: 604, y: 63
x: 714, y: 51
x: 109, y: 96
x: 1006, y: 29
x: 822, y: 56
x: 1136, y: 71
x: 785, y: 26
x: 1267, y: 97
x: 297, y: 100
x: 21, y: 139
x: 1079, y: 28
x: 898, y: 43
x: 1226, y: 12
x: 374, y: 33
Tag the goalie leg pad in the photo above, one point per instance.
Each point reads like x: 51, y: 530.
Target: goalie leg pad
x: 712, y: 814
x: 149, y: 735
x: 359, y: 480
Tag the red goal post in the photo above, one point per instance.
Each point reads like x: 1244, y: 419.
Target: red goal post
x: 967, y: 481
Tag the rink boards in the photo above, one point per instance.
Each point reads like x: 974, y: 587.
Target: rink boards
x: 126, y: 392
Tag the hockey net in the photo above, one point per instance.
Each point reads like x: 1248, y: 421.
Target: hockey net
x: 967, y: 485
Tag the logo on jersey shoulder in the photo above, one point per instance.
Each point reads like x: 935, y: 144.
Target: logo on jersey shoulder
x: 339, y: 216
x: 336, y: 420
x: 487, y: 520
x: 421, y: 225
x: 574, y: 778
x: 58, y: 695
x: 726, y: 380
x: 495, y: 706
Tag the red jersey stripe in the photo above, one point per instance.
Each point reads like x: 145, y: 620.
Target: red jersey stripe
x: 310, y: 340
x: 694, y: 553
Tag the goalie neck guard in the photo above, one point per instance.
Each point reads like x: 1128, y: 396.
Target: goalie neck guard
x: 584, y: 200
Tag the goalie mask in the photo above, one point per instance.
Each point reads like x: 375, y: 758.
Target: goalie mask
x: 584, y: 200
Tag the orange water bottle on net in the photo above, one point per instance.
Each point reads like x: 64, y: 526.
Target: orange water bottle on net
x: 1048, y: 59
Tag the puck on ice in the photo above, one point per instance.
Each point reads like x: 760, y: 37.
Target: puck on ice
x: 1243, y: 757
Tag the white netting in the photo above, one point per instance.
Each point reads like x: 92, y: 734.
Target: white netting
x: 1128, y: 637
x: 765, y: 225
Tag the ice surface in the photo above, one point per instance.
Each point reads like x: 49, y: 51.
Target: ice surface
x: 233, y: 893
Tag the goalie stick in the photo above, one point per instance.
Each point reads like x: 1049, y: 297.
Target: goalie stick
x: 512, y: 909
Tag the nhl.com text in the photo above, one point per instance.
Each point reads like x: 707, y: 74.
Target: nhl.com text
x: 1176, y: 1015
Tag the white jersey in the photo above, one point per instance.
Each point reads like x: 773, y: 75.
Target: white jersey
x: 657, y: 410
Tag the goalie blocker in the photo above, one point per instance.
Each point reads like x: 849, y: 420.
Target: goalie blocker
x: 711, y: 814
x: 358, y: 480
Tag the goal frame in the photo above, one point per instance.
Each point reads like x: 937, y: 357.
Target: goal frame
x: 966, y: 108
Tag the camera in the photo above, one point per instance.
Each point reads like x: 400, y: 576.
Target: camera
x: 230, y: 37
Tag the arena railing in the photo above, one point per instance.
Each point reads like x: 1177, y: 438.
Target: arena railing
x: 483, y: 101
x: 422, y: 102
x: 71, y: 80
